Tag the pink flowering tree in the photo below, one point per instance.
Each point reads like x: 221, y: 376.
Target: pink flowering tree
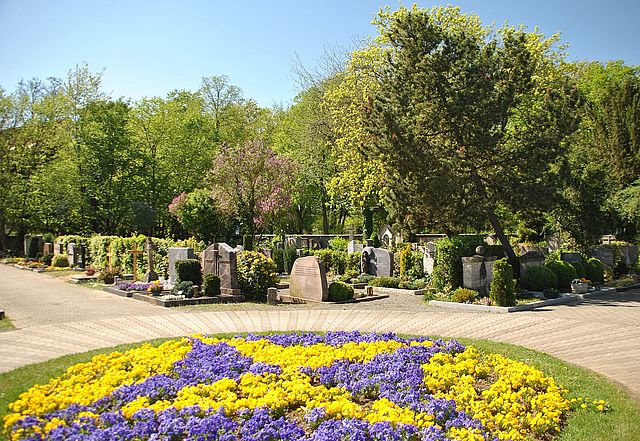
x: 253, y: 183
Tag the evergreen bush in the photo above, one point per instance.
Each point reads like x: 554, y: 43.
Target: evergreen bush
x: 502, y: 292
x: 339, y: 292
x: 47, y: 258
x: 464, y: 295
x: 189, y: 270
x: 211, y: 286
x: 385, y: 282
x: 256, y: 273
x: 108, y: 276
x: 539, y: 278
x: 60, y: 261
x: 290, y: 256
x: 184, y: 288
x: 594, y: 270
x: 278, y: 259
x: 565, y: 272
x: 580, y: 269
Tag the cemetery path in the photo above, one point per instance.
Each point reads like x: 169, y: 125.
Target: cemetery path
x: 31, y: 299
x: 602, y: 333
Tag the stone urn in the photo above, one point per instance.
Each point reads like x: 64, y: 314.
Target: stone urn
x: 579, y: 287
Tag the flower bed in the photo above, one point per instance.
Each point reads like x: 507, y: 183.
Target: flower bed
x: 295, y: 387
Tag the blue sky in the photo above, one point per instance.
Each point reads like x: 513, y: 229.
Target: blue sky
x: 148, y: 48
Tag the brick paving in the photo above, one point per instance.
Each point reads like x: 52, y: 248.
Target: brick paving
x: 55, y: 318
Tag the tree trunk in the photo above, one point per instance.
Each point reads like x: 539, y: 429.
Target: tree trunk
x: 325, y: 216
x: 497, y: 227
x: 3, y: 237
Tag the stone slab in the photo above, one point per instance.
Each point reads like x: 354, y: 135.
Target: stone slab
x: 186, y: 302
x: 83, y: 279
x: 308, y: 280
x: 398, y: 291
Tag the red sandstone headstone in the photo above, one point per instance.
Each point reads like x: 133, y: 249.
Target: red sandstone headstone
x: 308, y: 280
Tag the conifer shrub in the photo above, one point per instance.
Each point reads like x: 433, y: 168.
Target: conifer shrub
x: 502, y: 292
x: 189, y: 270
x: 539, y: 278
x: 565, y: 272
x: 211, y: 286
x: 339, y: 292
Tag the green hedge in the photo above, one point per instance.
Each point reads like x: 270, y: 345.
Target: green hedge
x: 447, y: 272
x: 385, y: 282
x: 411, y: 263
x: 334, y: 261
x: 564, y: 271
x: 539, y: 278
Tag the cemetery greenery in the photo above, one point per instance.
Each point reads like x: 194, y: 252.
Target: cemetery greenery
x: 314, y: 387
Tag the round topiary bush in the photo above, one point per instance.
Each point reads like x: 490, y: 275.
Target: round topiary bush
x: 339, y: 292
x: 211, y: 285
x: 580, y: 269
x: 594, y: 270
x: 502, y: 286
x: 565, y: 272
x: 256, y: 273
x: 60, y: 261
x: 464, y: 295
x: 539, y: 278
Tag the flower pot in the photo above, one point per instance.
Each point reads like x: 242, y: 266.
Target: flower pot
x: 90, y: 272
x: 579, y: 288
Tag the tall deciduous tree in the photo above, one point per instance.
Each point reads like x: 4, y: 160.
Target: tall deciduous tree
x: 467, y: 118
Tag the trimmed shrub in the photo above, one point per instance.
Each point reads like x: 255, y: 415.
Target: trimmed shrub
x: 447, y: 272
x: 47, y: 259
x: 60, y: 261
x: 256, y: 273
x: 211, y: 286
x: 502, y: 291
x: 385, y: 282
x: 594, y: 270
x: 551, y: 293
x: 108, y: 276
x: 184, y: 288
x: 564, y: 271
x: 278, y: 259
x: 464, y: 295
x: 353, y: 262
x: 539, y: 278
x: 579, y: 267
x: 413, y: 284
x: 333, y: 261
x: 189, y: 270
x: 338, y: 244
x: 339, y: 292
x: 348, y: 276
x: 365, y: 278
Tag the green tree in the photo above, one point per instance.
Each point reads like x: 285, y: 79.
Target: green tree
x: 200, y: 216
x: 468, y: 118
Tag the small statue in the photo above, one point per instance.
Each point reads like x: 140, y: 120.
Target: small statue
x: 364, y: 262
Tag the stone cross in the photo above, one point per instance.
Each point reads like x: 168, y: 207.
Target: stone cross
x: 351, y: 231
x: 135, y: 253
x: 150, y: 275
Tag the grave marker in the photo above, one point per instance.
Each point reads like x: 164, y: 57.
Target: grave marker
x: 308, y: 280
x: 379, y: 262
x: 135, y: 251
x: 220, y: 259
x: 150, y: 275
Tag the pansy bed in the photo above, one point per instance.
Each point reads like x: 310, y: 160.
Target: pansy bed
x: 335, y: 386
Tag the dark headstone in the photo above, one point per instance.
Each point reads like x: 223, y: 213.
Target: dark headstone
x: 529, y: 260
x: 32, y: 245
x: 82, y: 256
x: 177, y: 253
x: 308, y: 280
x: 151, y: 274
x: 220, y: 259
x: 605, y: 255
x: 571, y: 257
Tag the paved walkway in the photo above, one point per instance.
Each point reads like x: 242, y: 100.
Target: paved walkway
x: 54, y: 319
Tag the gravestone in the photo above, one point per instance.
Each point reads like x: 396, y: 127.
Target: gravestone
x: 177, y: 253
x: 524, y: 249
x: 82, y: 256
x: 47, y: 248
x: 380, y: 261
x: 629, y: 254
x: 605, y: 255
x: 220, y: 259
x: 32, y: 245
x: 529, y: 260
x: 151, y: 274
x: 571, y: 257
x: 308, y: 280
x: 477, y: 272
x: 72, y: 254
x: 354, y: 247
x: 428, y: 257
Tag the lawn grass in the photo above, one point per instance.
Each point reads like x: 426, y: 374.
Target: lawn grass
x: 6, y: 325
x: 621, y: 423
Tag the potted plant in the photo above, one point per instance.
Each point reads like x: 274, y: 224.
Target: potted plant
x: 155, y: 288
x: 90, y: 271
x: 580, y: 286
